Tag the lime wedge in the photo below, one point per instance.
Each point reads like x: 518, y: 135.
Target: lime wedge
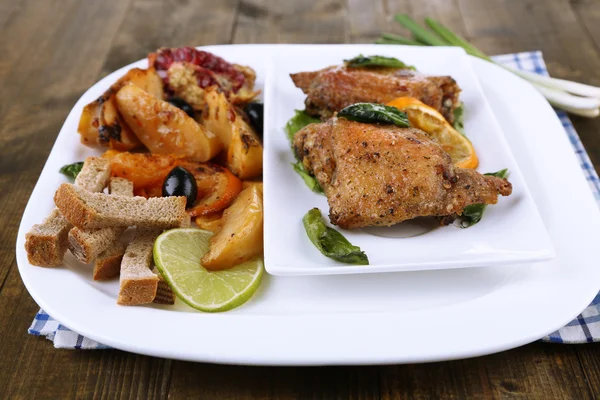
x: 177, y: 254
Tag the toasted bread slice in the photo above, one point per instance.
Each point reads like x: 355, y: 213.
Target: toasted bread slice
x: 108, y: 263
x: 97, y: 210
x: 164, y: 293
x: 46, y: 243
x: 86, y: 245
x: 138, y: 283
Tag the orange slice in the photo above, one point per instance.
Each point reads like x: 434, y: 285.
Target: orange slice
x: 430, y: 121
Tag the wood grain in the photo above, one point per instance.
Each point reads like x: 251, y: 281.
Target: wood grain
x: 52, y: 51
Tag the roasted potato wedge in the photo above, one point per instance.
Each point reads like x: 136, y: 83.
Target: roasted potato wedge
x: 211, y: 222
x: 241, y: 235
x: 164, y: 128
x: 245, y: 153
x: 242, y: 144
x: 100, y: 123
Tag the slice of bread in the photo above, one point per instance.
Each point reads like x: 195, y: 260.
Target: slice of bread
x: 108, y: 263
x: 164, y: 293
x: 86, y: 245
x: 97, y: 210
x: 138, y: 284
x: 94, y: 174
x: 47, y: 243
x: 120, y: 187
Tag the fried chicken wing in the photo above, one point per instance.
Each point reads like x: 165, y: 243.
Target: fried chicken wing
x: 334, y: 88
x: 380, y: 175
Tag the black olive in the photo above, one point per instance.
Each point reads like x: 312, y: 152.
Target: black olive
x: 180, y: 182
x: 182, y: 104
x: 255, y: 113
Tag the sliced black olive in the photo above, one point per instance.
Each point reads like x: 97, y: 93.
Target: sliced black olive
x: 180, y: 182
x: 182, y: 104
x: 255, y: 113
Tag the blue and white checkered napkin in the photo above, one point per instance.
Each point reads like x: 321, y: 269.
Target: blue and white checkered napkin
x: 583, y: 329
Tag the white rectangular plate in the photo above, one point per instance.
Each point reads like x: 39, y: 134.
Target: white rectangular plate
x: 511, y: 232
x: 354, y: 319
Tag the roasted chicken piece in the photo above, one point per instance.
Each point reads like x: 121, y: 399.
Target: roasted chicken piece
x: 336, y: 87
x: 380, y: 175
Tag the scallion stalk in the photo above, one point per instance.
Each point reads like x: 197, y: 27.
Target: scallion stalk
x: 420, y: 33
x: 573, y: 97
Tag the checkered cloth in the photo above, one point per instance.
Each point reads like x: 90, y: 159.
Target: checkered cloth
x: 583, y: 329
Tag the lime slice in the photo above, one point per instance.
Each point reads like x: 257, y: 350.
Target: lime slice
x: 177, y: 254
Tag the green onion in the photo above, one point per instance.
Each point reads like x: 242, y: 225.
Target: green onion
x: 419, y: 32
x: 396, y: 39
x: 454, y: 39
x: 573, y: 97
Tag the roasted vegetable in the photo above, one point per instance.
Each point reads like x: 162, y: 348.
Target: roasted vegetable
x: 210, y: 222
x: 241, y: 235
x: 164, y: 128
x: 242, y: 144
x: 188, y: 72
x: 330, y: 242
x: 217, y: 186
x: 100, y: 123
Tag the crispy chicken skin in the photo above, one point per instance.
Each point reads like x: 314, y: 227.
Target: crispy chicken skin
x: 380, y: 175
x: 334, y: 88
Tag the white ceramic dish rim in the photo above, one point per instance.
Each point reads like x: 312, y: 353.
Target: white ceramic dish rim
x: 490, y: 323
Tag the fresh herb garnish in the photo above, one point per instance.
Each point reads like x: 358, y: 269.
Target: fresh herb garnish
x: 472, y: 213
x: 297, y: 122
x: 310, y: 180
x: 375, y: 113
x: 361, y: 61
x: 330, y: 242
x: 71, y: 170
x: 459, y: 118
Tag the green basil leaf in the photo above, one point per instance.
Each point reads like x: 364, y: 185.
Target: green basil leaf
x: 71, y: 170
x: 375, y: 113
x: 330, y: 242
x: 459, y: 118
x: 297, y: 122
x: 310, y: 180
x: 361, y: 61
x: 503, y: 173
x: 472, y: 213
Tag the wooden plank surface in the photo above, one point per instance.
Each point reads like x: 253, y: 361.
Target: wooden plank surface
x: 54, y: 50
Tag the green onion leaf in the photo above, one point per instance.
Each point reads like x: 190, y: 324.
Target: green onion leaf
x: 330, y: 242
x: 297, y: 122
x: 310, y: 180
x: 375, y: 113
x: 472, y: 213
x: 397, y: 39
x: 421, y: 34
x: 71, y: 170
x: 361, y: 61
x: 454, y: 39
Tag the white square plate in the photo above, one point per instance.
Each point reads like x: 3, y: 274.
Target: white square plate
x: 510, y: 232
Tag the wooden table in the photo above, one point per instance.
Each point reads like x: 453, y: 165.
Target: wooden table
x: 52, y: 51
